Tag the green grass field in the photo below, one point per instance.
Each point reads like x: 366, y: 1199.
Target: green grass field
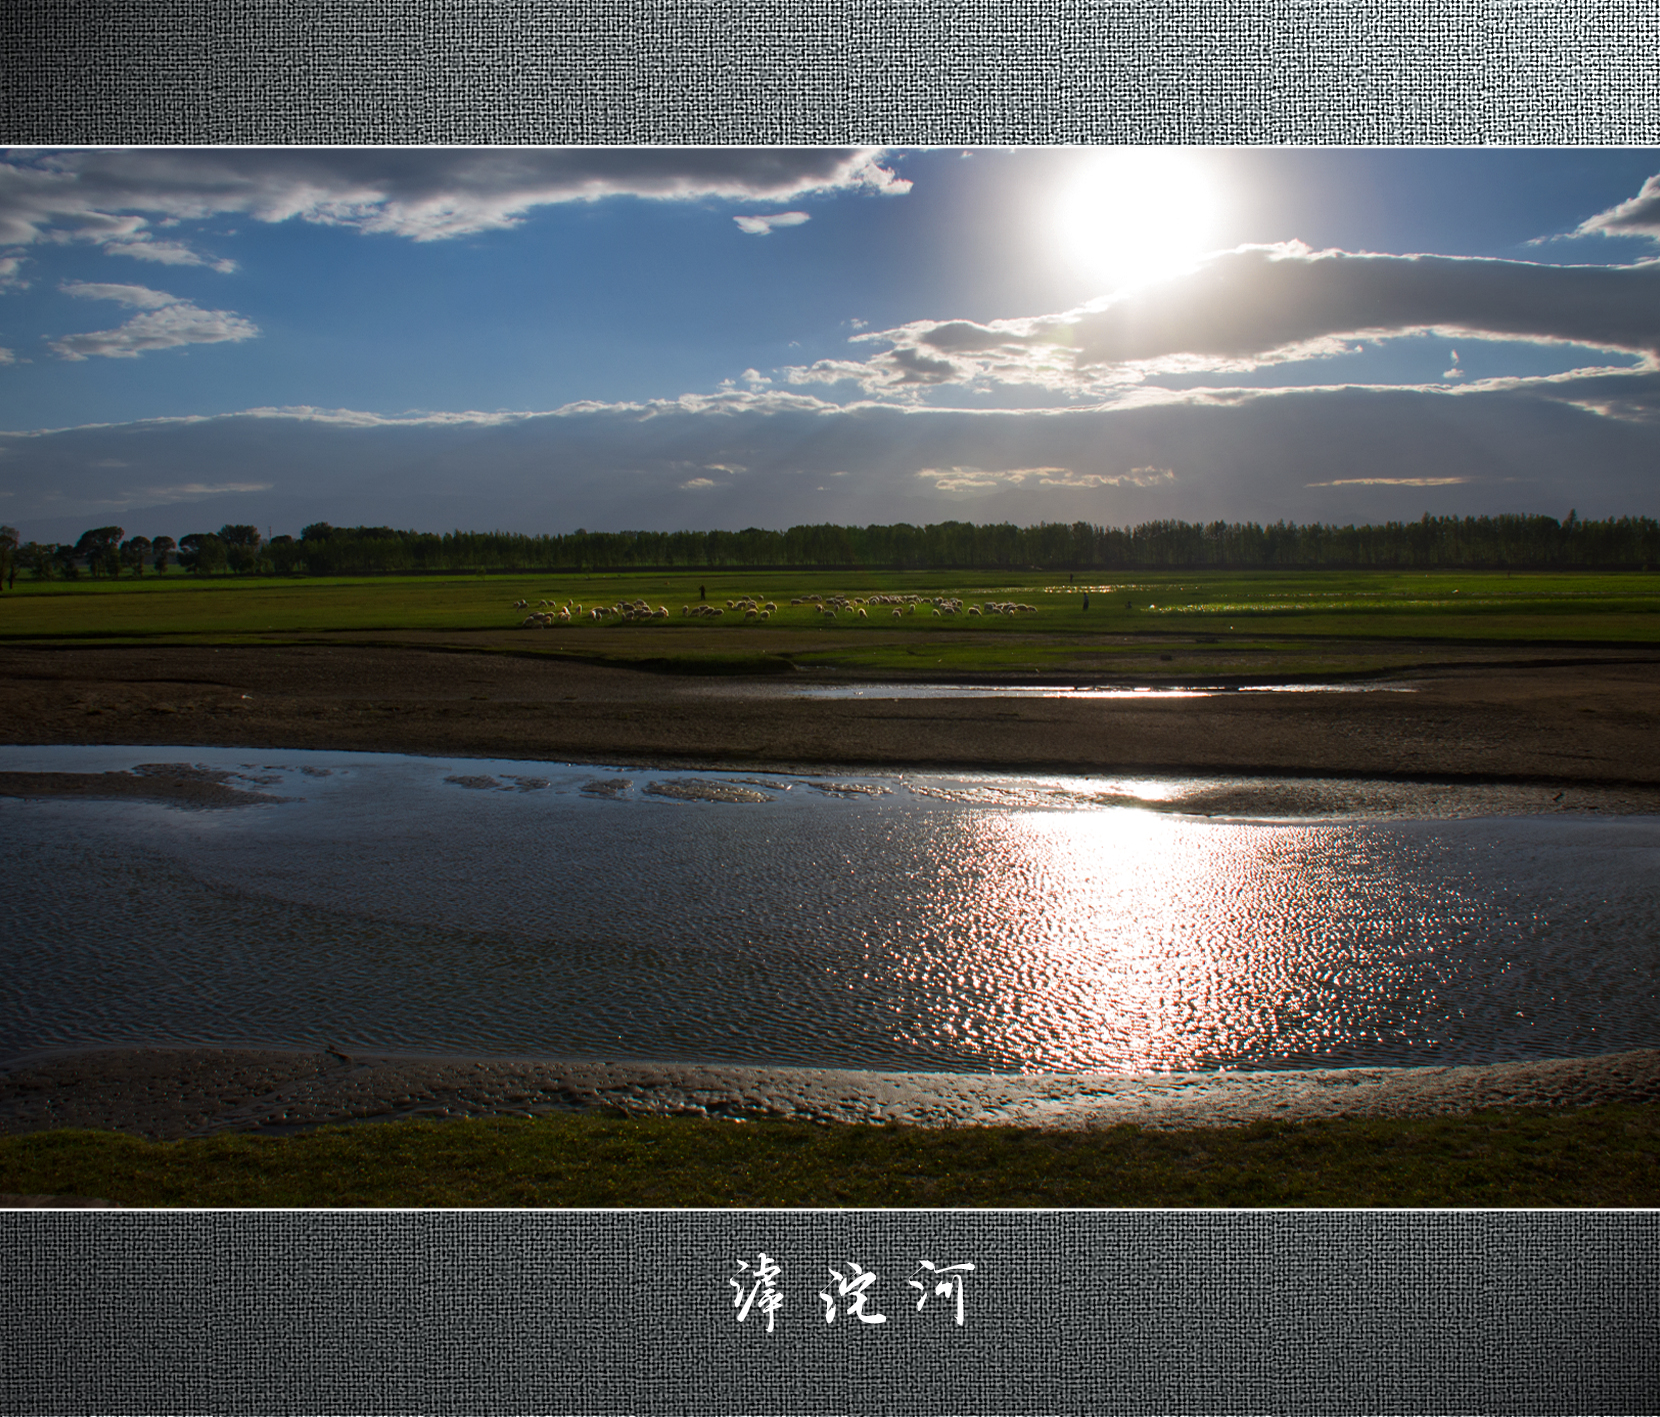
x: 1604, y: 1156
x: 1226, y: 621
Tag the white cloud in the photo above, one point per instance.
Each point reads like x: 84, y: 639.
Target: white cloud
x: 1264, y: 304
x: 972, y: 479
x: 11, y: 278
x: 425, y: 194
x: 753, y: 380
x: 8, y: 356
x: 1637, y: 216
x: 139, y: 297
x: 163, y: 326
x: 167, y: 253
x: 1390, y: 482
x: 195, y: 491
x: 1258, y: 306
x: 1333, y: 454
x: 765, y: 225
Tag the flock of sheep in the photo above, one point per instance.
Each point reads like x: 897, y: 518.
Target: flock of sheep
x: 548, y: 614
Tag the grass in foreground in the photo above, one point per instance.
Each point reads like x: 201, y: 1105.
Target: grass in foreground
x: 1604, y: 1156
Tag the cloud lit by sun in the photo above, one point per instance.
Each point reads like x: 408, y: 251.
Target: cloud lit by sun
x: 1127, y: 216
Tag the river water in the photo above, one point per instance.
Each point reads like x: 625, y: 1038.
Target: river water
x: 912, y: 921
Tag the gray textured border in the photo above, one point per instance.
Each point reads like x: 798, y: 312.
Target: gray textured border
x: 609, y: 1313
x: 822, y: 71
x: 1087, y: 1313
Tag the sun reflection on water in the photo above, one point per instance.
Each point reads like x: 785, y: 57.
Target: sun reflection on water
x: 1113, y: 941
x: 965, y: 923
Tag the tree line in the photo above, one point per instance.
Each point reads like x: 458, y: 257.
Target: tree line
x: 108, y: 551
x: 1512, y: 542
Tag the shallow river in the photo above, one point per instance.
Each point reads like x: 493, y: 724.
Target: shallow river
x: 903, y: 922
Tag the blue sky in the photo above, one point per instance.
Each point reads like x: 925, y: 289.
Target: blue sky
x: 541, y: 339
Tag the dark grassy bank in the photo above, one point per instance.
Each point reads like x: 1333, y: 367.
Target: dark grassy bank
x: 1604, y: 1156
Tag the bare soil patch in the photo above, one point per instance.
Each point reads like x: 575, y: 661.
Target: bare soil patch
x: 165, y: 1093
x: 1590, y: 722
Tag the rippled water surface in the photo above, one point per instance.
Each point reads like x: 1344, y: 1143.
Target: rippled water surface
x: 905, y: 922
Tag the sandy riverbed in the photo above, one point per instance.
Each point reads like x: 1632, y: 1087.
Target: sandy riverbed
x: 1576, y: 731
x: 167, y: 1093
x: 1583, y: 718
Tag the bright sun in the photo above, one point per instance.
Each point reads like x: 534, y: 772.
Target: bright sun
x: 1126, y: 216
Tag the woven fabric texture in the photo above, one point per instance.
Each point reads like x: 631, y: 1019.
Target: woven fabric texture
x: 1086, y: 1313
x: 821, y: 71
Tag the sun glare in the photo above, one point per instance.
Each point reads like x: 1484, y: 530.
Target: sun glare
x: 1127, y: 216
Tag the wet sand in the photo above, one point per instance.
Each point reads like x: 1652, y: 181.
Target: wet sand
x: 1580, y: 718
x: 182, y: 784
x: 168, y: 1093
x: 1574, y: 731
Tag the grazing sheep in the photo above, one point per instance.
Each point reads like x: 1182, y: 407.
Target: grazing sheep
x: 518, y: 605
x: 862, y: 614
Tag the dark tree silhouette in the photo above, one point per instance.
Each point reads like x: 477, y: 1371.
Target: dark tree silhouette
x: 102, y: 549
x: 241, y: 546
x: 202, y: 552
x: 133, y: 552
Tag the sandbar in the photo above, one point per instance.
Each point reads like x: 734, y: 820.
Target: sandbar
x: 169, y: 1093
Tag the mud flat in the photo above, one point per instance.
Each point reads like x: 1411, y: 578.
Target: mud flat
x: 168, y: 1093
x: 1586, y: 718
